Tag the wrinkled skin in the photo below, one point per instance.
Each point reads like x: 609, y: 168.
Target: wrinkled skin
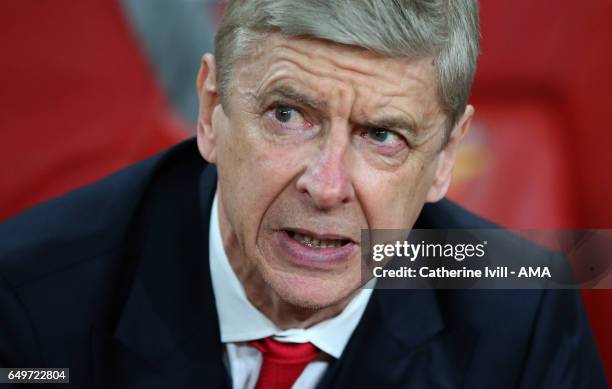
x: 322, y: 138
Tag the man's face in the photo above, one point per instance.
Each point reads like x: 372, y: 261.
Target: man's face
x: 316, y: 142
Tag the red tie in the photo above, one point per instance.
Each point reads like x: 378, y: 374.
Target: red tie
x: 282, y: 362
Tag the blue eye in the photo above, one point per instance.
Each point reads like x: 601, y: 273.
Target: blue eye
x: 386, y: 141
x: 289, y: 118
x: 379, y: 134
x: 283, y: 114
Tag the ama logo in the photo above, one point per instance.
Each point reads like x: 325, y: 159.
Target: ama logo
x: 539, y: 271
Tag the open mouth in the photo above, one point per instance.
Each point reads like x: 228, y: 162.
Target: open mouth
x: 313, y: 242
x: 312, y: 250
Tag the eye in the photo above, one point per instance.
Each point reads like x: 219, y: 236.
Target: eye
x: 282, y: 119
x: 288, y: 116
x: 283, y: 114
x: 383, y: 136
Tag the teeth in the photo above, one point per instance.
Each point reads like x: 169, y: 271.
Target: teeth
x: 312, y: 242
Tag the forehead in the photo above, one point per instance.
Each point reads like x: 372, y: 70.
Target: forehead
x: 365, y: 80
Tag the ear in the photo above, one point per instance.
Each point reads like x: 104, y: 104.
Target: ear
x: 209, y: 99
x: 447, y: 157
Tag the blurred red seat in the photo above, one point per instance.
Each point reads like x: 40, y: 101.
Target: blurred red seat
x: 78, y: 102
x: 543, y: 103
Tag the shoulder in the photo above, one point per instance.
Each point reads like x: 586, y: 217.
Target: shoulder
x: 540, y: 336
x: 450, y: 215
x: 67, y: 265
x: 84, y: 224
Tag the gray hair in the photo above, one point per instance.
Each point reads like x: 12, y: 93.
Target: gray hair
x: 447, y: 30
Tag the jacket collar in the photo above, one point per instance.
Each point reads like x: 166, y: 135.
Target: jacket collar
x: 167, y: 333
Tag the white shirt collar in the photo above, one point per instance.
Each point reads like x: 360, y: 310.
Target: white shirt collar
x: 240, y: 321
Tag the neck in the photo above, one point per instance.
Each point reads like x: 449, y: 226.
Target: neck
x: 283, y: 314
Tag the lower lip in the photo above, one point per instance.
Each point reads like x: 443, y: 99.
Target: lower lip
x: 313, y: 256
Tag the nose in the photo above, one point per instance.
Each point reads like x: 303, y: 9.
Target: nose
x: 326, y: 180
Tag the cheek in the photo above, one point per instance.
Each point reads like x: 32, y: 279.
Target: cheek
x: 254, y: 173
x: 394, y: 200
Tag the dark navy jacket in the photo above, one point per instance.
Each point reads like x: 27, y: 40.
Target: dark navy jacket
x: 112, y: 281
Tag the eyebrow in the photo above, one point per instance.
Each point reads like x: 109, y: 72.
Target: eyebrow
x: 290, y: 93
x: 399, y: 123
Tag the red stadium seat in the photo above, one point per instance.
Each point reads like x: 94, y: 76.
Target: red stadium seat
x: 78, y: 102
x: 543, y: 103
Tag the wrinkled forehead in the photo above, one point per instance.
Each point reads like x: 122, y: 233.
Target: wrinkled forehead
x: 328, y: 71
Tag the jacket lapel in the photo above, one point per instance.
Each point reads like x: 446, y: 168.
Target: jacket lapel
x: 167, y: 333
x: 401, y: 342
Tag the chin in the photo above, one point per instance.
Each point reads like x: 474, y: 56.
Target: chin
x: 313, y: 291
